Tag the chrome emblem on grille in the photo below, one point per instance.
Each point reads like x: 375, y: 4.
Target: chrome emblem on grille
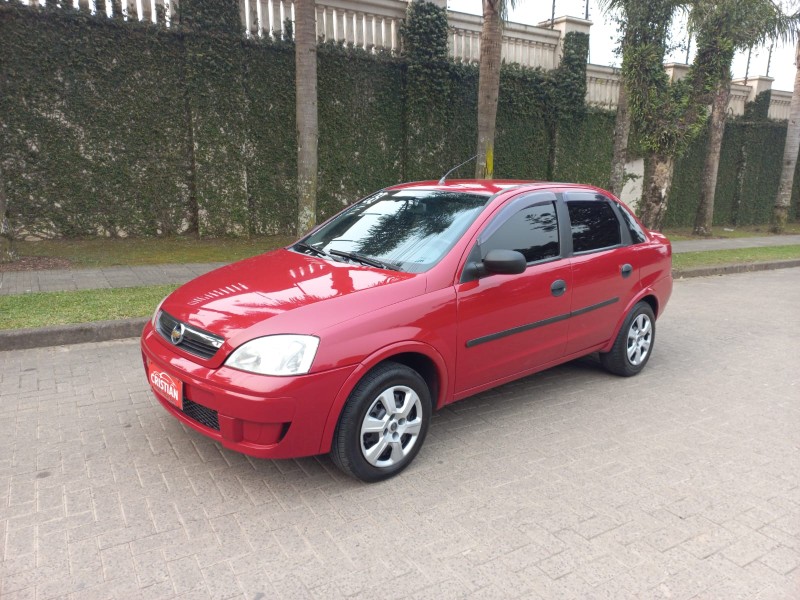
x: 176, y: 337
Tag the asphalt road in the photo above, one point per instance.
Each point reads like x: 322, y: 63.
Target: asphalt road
x: 683, y: 482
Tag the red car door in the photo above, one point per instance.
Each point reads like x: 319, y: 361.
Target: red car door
x: 511, y: 324
x: 605, y: 270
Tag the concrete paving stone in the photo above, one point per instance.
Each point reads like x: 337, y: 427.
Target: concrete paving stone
x: 709, y: 542
x: 749, y: 548
x: 677, y: 477
x: 26, y: 594
x: 782, y: 560
x: 781, y: 536
x: 185, y: 574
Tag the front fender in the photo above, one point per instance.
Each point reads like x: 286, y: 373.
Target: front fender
x: 370, y: 362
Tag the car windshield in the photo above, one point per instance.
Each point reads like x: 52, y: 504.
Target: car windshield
x: 407, y: 230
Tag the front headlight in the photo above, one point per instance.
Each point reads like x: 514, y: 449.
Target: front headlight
x: 154, y: 319
x: 276, y: 355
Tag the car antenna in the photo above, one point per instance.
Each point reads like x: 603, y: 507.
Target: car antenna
x: 441, y: 181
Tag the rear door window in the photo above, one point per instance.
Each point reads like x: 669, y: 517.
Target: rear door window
x: 594, y: 225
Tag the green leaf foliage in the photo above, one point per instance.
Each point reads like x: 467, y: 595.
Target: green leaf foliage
x: 749, y: 173
x: 124, y: 128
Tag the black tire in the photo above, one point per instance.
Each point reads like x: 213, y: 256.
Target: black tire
x: 634, y: 344
x: 398, y: 436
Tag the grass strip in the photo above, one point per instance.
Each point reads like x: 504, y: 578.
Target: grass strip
x: 104, y: 252
x: 710, y: 258
x: 62, y: 308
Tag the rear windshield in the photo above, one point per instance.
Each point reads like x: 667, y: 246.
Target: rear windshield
x: 410, y: 230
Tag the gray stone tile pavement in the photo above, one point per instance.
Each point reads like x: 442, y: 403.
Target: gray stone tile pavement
x: 22, y: 282
x: 683, y: 482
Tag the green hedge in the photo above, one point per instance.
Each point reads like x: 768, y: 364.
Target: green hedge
x: 110, y: 127
x: 747, y: 182
x: 93, y: 133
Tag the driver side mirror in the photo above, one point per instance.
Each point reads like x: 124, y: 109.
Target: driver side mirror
x: 504, y: 262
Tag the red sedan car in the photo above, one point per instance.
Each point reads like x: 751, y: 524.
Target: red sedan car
x: 415, y: 297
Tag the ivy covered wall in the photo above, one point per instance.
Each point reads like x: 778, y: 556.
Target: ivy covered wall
x: 748, y: 178
x: 92, y: 124
x: 109, y: 127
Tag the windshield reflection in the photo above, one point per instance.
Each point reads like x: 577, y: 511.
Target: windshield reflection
x: 409, y: 229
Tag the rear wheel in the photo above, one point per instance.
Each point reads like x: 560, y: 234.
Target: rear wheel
x: 634, y: 343
x: 383, y: 424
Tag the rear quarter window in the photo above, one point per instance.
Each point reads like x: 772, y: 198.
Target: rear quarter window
x: 637, y: 234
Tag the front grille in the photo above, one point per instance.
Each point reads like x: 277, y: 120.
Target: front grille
x: 195, y: 341
x: 202, y: 414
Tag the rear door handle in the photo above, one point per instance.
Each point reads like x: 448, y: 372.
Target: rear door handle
x: 558, y: 287
x: 626, y: 270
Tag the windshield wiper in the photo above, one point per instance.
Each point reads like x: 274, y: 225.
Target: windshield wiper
x: 366, y: 260
x: 314, y: 250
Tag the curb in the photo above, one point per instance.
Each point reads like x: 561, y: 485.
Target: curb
x: 735, y: 268
x: 60, y: 335
x: 103, y: 331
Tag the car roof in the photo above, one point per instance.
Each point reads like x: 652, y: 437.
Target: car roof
x: 487, y: 187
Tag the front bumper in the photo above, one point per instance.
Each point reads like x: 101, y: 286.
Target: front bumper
x: 258, y: 415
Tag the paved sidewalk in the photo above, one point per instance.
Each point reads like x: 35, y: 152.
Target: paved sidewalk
x: 23, y: 282
x: 734, y: 243
x: 681, y: 483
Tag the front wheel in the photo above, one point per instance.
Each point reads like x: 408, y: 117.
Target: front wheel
x: 634, y: 343
x: 383, y: 424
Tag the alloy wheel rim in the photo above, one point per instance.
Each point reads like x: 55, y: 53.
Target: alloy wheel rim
x: 640, y: 337
x: 391, y: 426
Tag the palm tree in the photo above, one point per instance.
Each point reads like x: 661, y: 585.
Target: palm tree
x: 7, y: 253
x: 667, y: 115
x: 738, y: 24
x: 644, y: 31
x: 305, y: 44
x: 494, y: 13
x: 622, y: 131
x: 780, y: 212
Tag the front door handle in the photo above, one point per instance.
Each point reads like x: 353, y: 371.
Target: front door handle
x: 558, y: 287
x: 626, y: 270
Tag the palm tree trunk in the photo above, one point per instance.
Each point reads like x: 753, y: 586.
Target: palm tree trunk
x: 622, y: 130
x: 306, y: 102
x: 7, y: 253
x: 658, y: 173
x: 488, y: 87
x: 780, y: 213
x: 719, y: 112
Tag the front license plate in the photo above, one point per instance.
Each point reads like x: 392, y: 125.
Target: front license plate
x: 167, y: 385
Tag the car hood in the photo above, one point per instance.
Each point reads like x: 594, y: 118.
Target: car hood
x: 286, y: 292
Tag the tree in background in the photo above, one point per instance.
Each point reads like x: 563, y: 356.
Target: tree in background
x: 494, y: 13
x: 644, y: 35
x: 667, y: 115
x: 735, y: 25
x: 622, y: 131
x: 780, y: 212
x: 7, y: 253
x: 306, y: 110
